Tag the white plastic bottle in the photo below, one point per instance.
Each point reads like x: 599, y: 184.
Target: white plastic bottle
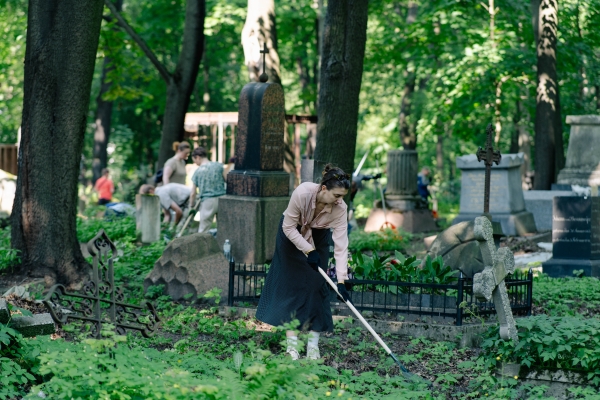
x: 227, y: 249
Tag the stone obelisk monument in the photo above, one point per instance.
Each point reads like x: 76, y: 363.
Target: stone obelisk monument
x: 258, y: 188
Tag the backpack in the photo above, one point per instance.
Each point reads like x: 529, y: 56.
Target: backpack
x: 159, y: 177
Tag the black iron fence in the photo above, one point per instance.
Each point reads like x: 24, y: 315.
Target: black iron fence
x: 454, y: 301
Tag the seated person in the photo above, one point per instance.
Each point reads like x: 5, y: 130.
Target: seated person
x: 423, y: 182
x: 173, y: 196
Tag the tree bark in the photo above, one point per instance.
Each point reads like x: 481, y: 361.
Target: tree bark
x: 62, y: 40
x: 260, y: 28
x: 549, y: 153
x: 180, y: 84
x: 344, y: 41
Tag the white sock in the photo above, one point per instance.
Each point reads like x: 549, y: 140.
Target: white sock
x: 313, y: 339
x: 292, y: 341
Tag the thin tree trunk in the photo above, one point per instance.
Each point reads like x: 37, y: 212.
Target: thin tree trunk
x: 549, y: 153
x: 408, y: 138
x: 344, y: 41
x: 180, y: 84
x: 102, y: 124
x: 62, y: 40
x: 514, y: 137
x: 260, y: 29
x: 103, y: 117
x: 439, y: 154
x: 304, y: 78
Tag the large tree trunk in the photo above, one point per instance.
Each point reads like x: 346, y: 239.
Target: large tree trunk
x: 344, y: 41
x: 102, y: 124
x: 549, y: 153
x: 260, y: 28
x: 62, y: 40
x: 182, y: 81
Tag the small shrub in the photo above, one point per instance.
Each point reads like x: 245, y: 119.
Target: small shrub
x: 545, y: 342
x: 17, y: 359
x: 386, y: 240
x: 567, y: 296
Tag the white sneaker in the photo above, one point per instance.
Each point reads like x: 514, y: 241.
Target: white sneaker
x: 292, y: 352
x: 312, y: 352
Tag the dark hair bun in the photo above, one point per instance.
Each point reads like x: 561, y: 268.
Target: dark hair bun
x: 327, y: 168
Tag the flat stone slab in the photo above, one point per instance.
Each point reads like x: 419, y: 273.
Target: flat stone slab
x: 522, y: 260
x: 558, y: 382
x: 37, y: 324
x: 464, y: 336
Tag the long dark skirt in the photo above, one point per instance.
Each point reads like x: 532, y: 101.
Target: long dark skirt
x: 293, y: 290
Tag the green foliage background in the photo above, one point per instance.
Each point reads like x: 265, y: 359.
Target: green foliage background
x: 448, y: 47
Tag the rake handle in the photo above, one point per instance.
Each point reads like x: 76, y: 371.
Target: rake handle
x: 358, y: 315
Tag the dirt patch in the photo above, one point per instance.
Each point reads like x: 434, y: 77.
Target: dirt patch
x: 519, y: 245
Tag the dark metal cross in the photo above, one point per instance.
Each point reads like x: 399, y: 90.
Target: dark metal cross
x: 489, y: 156
x: 264, y: 77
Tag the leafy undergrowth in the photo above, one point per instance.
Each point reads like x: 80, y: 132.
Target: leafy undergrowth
x: 566, y: 296
x: 568, y: 343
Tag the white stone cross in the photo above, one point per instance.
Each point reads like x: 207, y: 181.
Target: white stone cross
x: 489, y: 283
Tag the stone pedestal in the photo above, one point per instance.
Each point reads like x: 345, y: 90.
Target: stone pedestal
x: 258, y: 183
x: 250, y: 224
x: 192, y: 264
x: 413, y: 221
x: 405, y: 208
x: 507, y: 205
x: 582, y: 166
x: 402, y: 169
x: 148, y: 216
x: 575, y: 237
x: 258, y: 188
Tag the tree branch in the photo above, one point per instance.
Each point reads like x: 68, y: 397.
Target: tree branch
x: 162, y: 70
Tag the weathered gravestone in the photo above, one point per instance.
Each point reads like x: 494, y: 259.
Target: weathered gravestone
x: 540, y: 203
x: 192, y: 264
x: 458, y: 244
x: 148, y: 215
x: 488, y: 285
x: 575, y: 237
x: 258, y: 188
x: 101, y: 301
x: 506, y: 202
x: 583, y: 153
x: 404, y: 207
x: 28, y: 326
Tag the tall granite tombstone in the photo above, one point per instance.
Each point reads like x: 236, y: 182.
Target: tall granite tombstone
x: 404, y: 207
x: 258, y: 188
x: 575, y: 237
x: 582, y: 166
x: 507, y: 205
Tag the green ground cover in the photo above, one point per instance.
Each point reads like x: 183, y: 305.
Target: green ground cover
x: 198, y: 353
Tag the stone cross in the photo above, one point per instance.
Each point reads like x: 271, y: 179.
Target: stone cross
x: 489, y: 156
x: 264, y: 77
x: 489, y: 283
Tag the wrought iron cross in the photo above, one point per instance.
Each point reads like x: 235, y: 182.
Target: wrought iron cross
x: 264, y: 77
x: 489, y: 156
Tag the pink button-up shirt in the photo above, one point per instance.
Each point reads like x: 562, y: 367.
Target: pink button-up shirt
x: 301, y: 210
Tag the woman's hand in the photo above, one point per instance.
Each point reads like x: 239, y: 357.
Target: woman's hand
x: 314, y: 260
x: 345, y: 296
